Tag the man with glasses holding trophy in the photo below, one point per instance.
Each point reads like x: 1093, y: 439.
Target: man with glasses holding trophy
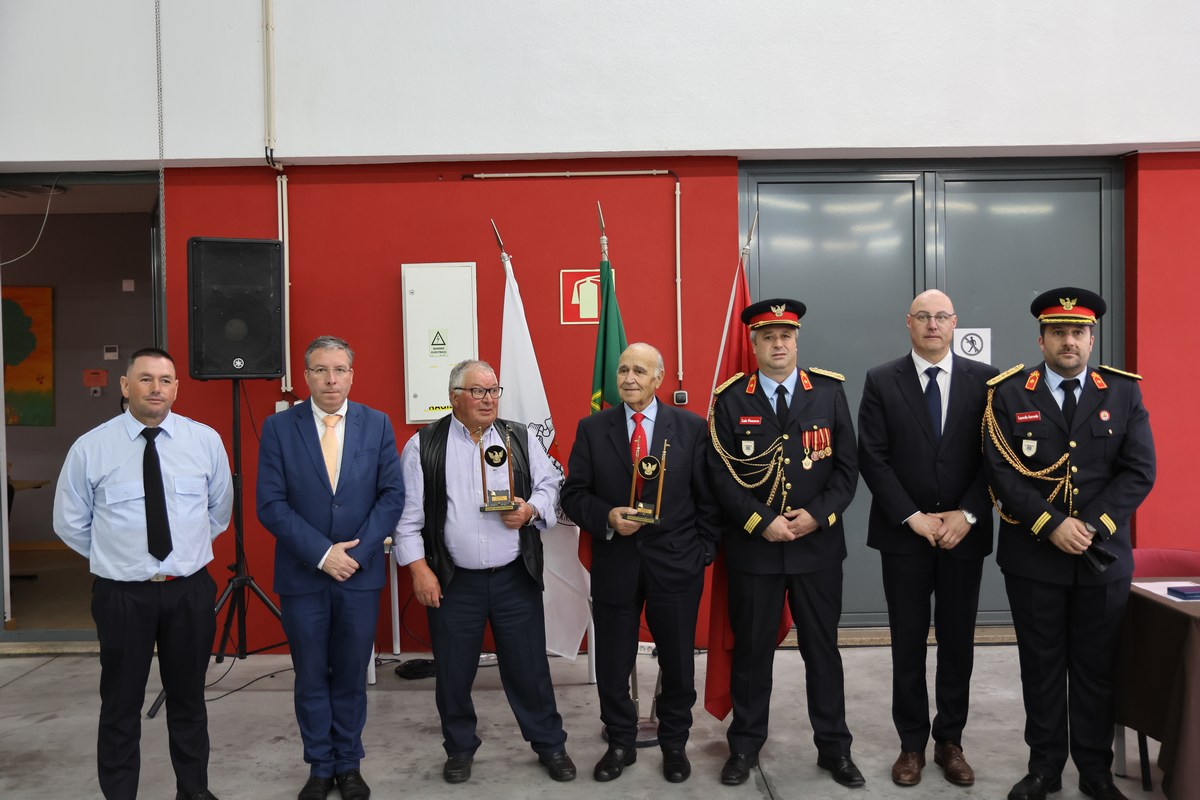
x: 482, y: 491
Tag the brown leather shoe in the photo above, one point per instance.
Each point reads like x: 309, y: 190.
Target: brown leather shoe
x: 950, y: 758
x: 907, y: 769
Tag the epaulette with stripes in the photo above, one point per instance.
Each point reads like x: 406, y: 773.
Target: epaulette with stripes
x: 837, y: 376
x: 727, y: 384
x: 1116, y: 371
x: 1003, y: 376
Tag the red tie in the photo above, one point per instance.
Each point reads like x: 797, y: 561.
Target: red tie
x: 639, y: 448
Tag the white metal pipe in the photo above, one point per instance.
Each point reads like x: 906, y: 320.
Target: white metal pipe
x: 678, y: 287
x: 268, y: 12
x: 284, y: 236
x: 595, y: 174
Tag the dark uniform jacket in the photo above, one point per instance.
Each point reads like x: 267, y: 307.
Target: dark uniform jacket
x: 758, y: 471
x: 908, y: 471
x: 599, y: 475
x: 1102, y: 470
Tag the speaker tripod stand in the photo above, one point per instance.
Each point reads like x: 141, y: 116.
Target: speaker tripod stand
x: 235, y: 590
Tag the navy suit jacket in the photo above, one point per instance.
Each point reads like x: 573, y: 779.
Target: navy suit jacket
x: 1112, y: 464
x: 907, y: 471
x: 599, y: 475
x: 298, y: 506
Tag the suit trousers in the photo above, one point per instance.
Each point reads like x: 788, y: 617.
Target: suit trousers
x: 755, y: 605
x: 671, y: 618
x: 511, y: 601
x: 330, y: 633
x: 131, y: 618
x: 910, y: 581
x: 1067, y: 643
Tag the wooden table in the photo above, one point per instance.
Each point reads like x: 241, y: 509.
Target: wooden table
x: 1158, y: 682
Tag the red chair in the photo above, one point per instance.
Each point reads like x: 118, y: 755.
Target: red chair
x: 1154, y: 562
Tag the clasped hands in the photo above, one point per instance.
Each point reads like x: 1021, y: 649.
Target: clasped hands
x: 944, y: 529
x: 789, y: 526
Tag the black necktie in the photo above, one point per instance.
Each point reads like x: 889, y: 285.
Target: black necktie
x: 781, y: 405
x: 158, y: 527
x: 1069, y: 401
x: 933, y: 402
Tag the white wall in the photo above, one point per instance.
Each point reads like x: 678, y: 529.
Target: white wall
x: 381, y: 80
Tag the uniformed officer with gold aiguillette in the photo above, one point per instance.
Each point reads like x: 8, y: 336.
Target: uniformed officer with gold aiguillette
x: 1069, y: 457
x: 784, y: 465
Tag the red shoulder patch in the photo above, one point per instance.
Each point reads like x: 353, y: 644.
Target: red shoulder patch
x: 1032, y: 383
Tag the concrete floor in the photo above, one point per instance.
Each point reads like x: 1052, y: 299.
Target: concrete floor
x: 49, y: 706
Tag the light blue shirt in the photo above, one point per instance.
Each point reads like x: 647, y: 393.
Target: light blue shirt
x: 1054, y: 384
x: 651, y: 411
x: 100, y: 506
x: 476, y: 539
x: 769, y: 386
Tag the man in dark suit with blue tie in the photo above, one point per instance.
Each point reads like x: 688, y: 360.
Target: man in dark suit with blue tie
x: 1070, y: 456
x: 931, y: 519
x: 655, y: 566
x: 329, y: 491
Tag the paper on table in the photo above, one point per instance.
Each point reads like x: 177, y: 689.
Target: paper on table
x: 1160, y: 588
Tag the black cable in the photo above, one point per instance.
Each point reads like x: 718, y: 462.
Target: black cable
x: 249, y: 683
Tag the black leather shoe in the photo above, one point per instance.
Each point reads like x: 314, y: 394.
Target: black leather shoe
x: 613, y: 763
x: 1101, y: 788
x: 458, y: 768
x: 1034, y: 787
x: 843, y: 769
x: 205, y: 795
x: 676, y: 767
x: 317, y: 788
x: 737, y: 768
x: 352, y: 786
x: 559, y: 765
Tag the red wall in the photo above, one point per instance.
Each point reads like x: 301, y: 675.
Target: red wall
x: 352, y: 227
x: 1162, y: 242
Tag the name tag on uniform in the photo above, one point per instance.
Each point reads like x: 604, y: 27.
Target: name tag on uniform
x: 749, y: 420
x: 1029, y: 416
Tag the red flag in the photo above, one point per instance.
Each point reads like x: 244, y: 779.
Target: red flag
x: 736, y: 356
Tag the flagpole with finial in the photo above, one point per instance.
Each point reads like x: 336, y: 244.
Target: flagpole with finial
x: 743, y: 258
x: 504, y: 257
x: 603, y: 238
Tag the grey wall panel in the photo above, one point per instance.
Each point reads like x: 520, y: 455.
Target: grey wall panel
x: 856, y: 241
x: 848, y: 249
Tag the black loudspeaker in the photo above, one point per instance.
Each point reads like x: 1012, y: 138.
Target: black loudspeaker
x: 235, y: 308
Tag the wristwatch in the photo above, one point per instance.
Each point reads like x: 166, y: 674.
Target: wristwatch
x: 971, y: 518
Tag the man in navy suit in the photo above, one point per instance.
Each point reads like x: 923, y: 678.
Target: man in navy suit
x: 931, y: 519
x: 329, y: 491
x: 1070, y: 456
x: 657, y: 566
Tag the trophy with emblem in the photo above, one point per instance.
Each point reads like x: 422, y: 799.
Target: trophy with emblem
x: 645, y: 469
x: 496, y: 456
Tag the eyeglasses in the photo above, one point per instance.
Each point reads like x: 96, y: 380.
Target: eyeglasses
x: 923, y: 317
x: 477, y: 392
x: 323, y: 372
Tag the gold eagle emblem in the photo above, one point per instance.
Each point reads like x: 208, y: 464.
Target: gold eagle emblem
x: 778, y: 310
x: 1068, y: 302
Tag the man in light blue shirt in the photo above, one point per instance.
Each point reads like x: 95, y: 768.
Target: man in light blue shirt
x: 471, y: 566
x: 108, y: 509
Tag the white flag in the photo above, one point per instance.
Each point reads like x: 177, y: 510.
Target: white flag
x: 568, y: 584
